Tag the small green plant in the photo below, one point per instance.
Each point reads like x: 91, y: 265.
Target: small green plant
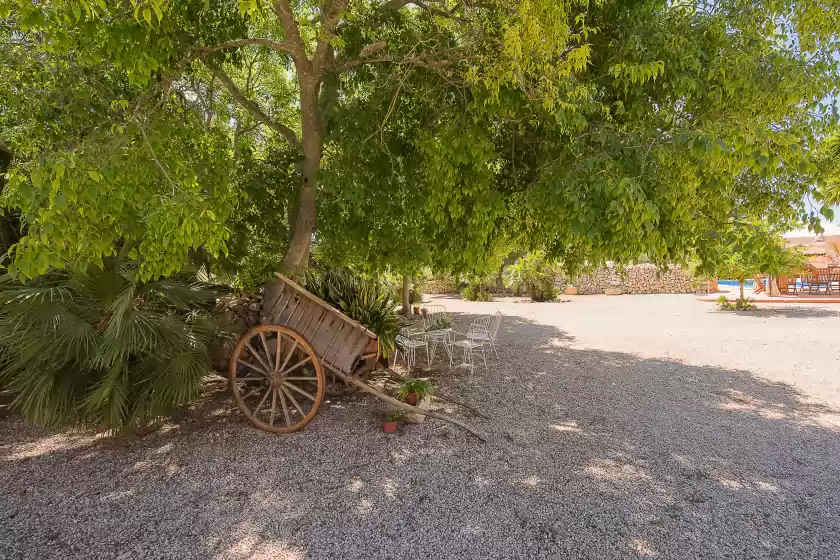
x: 741, y: 304
x: 420, y: 387
x: 415, y: 296
x: 394, y: 416
x: 440, y: 323
x: 475, y: 292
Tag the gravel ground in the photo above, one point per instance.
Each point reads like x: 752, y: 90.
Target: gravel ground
x: 628, y: 427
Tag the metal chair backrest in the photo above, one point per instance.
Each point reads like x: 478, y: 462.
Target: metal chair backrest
x: 480, y: 328
x: 497, y: 320
x: 433, y: 314
x: 404, y: 334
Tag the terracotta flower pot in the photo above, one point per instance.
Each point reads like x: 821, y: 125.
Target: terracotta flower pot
x: 390, y: 427
x: 417, y: 310
x: 411, y: 399
x: 571, y: 291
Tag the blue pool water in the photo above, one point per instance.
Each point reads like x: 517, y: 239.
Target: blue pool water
x: 747, y: 284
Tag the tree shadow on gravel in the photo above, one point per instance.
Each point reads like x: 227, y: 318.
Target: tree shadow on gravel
x: 592, y: 454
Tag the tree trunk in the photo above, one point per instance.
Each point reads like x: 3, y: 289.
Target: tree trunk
x: 296, y: 258
x: 741, y: 286
x: 406, y: 292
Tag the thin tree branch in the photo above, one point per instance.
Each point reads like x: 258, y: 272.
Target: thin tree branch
x: 253, y: 108
x: 271, y: 43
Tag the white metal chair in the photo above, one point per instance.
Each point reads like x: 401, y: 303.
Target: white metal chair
x: 434, y: 316
x: 489, y: 330
x: 409, y: 347
x: 471, y: 343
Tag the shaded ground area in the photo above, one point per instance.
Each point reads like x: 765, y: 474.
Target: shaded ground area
x: 633, y: 427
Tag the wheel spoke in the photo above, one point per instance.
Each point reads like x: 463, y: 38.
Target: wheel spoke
x: 285, y: 408
x: 278, y: 345
x: 259, y: 406
x: 297, y: 365
x: 251, y: 393
x: 315, y: 379
x: 251, y: 378
x: 299, y: 390
x: 252, y: 366
x: 294, y: 402
x: 267, y: 353
x: 273, y: 406
x: 257, y: 356
x: 289, y: 356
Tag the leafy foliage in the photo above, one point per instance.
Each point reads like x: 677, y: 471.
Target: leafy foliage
x: 475, y: 292
x: 101, y: 348
x: 366, y: 301
x: 750, y: 249
x: 535, y: 273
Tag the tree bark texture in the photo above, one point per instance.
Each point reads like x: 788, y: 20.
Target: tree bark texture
x: 406, y: 293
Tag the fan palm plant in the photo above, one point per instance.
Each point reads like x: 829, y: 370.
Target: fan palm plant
x: 100, y: 348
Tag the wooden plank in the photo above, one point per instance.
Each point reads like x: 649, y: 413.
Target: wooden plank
x: 274, y: 311
x: 350, y: 361
x: 332, y: 310
x: 282, y: 302
x: 341, y: 352
x: 316, y: 314
x: 314, y: 322
x: 321, y: 339
x: 298, y: 313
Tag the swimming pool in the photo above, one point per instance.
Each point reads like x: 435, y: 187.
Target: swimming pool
x: 747, y: 284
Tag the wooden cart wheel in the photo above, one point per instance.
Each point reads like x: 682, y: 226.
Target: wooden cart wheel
x: 276, y: 379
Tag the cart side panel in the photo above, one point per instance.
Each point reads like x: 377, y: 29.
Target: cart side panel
x: 325, y: 334
x: 300, y: 314
x: 313, y: 324
x: 343, y: 356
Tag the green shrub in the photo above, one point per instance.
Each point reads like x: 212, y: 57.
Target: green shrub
x: 475, y: 292
x: 533, y: 273
x: 364, y: 300
x: 741, y: 304
x: 100, y: 348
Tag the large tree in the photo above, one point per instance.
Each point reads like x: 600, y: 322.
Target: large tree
x: 597, y: 130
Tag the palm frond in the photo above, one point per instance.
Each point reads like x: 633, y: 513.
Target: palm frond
x: 99, y: 348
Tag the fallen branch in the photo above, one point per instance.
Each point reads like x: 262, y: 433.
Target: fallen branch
x: 407, y: 407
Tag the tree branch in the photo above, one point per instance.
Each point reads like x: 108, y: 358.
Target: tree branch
x: 275, y: 45
x: 330, y: 16
x: 253, y: 108
x: 283, y: 10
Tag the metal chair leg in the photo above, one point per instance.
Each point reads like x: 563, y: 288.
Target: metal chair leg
x: 484, y: 357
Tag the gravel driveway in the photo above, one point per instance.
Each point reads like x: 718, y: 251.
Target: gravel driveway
x: 625, y: 427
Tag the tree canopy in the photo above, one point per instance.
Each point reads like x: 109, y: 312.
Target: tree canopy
x: 424, y: 132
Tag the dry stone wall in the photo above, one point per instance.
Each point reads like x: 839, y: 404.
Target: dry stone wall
x: 637, y: 279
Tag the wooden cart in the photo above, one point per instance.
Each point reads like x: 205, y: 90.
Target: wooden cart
x: 280, y: 372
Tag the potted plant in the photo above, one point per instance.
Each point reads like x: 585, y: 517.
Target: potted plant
x: 414, y: 390
x: 441, y: 323
x: 415, y: 297
x: 392, y: 420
